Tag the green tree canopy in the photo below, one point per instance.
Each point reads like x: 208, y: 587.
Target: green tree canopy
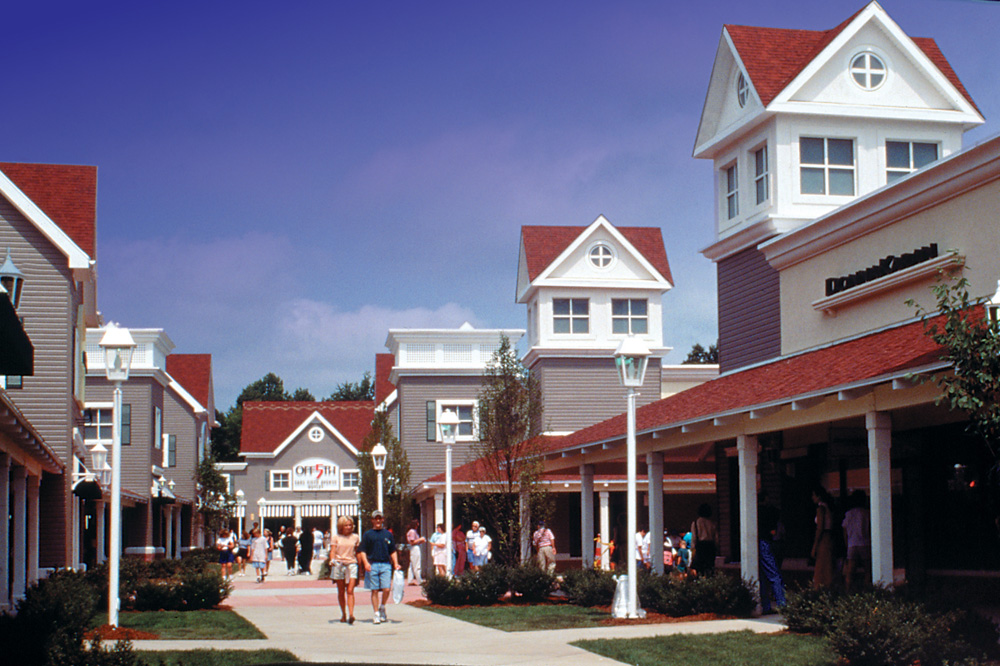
x: 700, y: 355
x: 397, y: 504
x: 354, y: 391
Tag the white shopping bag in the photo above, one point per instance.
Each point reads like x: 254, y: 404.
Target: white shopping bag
x: 619, y: 605
x: 398, y: 585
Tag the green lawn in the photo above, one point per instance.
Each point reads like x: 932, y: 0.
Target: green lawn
x: 188, y: 625
x: 214, y: 657
x: 526, y: 618
x: 735, y: 648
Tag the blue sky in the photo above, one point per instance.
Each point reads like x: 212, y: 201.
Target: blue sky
x: 280, y: 183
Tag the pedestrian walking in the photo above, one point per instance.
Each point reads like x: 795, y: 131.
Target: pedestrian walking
x: 377, y: 555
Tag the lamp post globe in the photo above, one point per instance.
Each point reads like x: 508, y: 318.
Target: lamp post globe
x: 379, y: 455
x: 118, y: 347
x: 631, y: 359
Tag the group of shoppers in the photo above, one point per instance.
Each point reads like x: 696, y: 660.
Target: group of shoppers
x: 255, y: 547
x: 472, y: 548
x: 374, y: 553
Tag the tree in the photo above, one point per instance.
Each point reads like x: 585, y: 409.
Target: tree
x: 699, y: 355
x: 270, y: 388
x: 508, y: 465
x: 397, y: 505
x: 972, y: 346
x: 356, y: 391
x: 215, y: 503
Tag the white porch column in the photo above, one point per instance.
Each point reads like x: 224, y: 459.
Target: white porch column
x: 654, y: 488
x: 20, y: 512
x: 4, y: 531
x: 747, y: 448
x: 587, y: 514
x: 102, y: 550
x: 439, y: 511
x: 525, y: 509
x: 605, y: 529
x: 879, y: 425
x: 178, y: 541
x: 298, y: 516
x: 167, y: 513
x: 33, y: 485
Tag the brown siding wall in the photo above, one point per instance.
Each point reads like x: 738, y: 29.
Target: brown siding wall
x: 749, y: 310
x: 579, y: 392
x: 427, y: 458
x: 48, y: 307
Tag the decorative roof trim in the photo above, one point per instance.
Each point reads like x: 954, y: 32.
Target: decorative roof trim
x: 315, y: 416
x: 77, y: 258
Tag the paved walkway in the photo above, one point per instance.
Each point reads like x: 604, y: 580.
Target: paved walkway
x: 301, y: 615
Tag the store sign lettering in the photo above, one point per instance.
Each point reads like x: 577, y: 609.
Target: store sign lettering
x: 886, y: 266
x: 315, y: 474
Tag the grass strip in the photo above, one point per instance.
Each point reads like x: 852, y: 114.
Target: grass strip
x: 734, y: 648
x: 188, y: 625
x: 525, y: 618
x: 214, y: 657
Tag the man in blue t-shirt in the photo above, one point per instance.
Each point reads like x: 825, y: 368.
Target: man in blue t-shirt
x: 377, y: 553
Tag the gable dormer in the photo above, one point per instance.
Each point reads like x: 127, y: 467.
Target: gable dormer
x: 800, y: 122
x: 588, y: 287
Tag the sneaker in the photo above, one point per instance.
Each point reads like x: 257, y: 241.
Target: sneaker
x: 377, y: 619
x: 381, y: 612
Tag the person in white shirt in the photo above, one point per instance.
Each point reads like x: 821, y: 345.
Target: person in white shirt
x: 483, y: 544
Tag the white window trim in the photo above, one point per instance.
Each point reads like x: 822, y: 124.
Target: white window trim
x: 343, y: 476
x: 157, y: 427
x: 270, y: 480
x: 441, y: 404
x: 611, y: 249
x: 766, y: 175
x: 878, y: 53
x: 629, y: 317
x: 571, y: 335
x: 886, y: 169
x: 734, y: 193
x: 315, y: 428
x: 110, y: 406
x: 808, y: 197
x: 166, y: 449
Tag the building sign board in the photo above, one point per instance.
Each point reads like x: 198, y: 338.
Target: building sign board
x: 885, y: 266
x: 314, y: 474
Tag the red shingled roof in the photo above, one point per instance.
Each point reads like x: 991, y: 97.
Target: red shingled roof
x: 267, y: 424
x: 865, y: 358
x: 543, y: 244
x: 66, y: 193
x: 775, y: 56
x: 194, y: 373
x: 383, y: 366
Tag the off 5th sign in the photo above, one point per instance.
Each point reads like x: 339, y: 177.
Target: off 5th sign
x: 314, y: 474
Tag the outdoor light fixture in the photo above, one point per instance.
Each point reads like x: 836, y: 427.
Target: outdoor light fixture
x: 379, y: 454
x: 448, y: 423
x: 993, y: 309
x: 11, y: 280
x: 118, y: 346
x: 99, y: 456
x: 631, y: 358
x: 240, y: 510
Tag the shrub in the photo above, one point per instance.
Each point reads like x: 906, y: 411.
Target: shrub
x: 157, y: 595
x: 486, y: 586
x: 724, y: 595
x: 810, y: 611
x: 589, y: 587
x: 530, y: 583
x: 443, y: 591
x: 204, y: 589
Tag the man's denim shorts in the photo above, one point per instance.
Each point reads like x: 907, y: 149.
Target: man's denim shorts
x: 380, y: 577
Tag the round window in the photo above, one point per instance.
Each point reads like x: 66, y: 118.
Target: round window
x: 316, y: 434
x: 601, y: 255
x: 742, y: 90
x: 867, y: 71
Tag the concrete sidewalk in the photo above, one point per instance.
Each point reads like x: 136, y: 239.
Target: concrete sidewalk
x: 301, y: 615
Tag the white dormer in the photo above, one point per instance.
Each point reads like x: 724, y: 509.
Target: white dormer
x: 152, y: 346
x: 798, y: 122
x: 586, y: 288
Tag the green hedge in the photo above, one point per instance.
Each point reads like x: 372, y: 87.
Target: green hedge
x: 194, y: 582
x: 488, y: 585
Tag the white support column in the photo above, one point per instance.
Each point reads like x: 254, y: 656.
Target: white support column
x: 605, y: 529
x: 525, y: 510
x: 654, y: 487
x: 747, y: 448
x: 298, y: 517
x: 33, y: 485
x: 20, y: 512
x: 167, y: 513
x: 439, y: 510
x: 879, y: 425
x: 74, y: 530
x: 587, y: 514
x: 102, y: 550
x: 178, y: 540
x: 5, y: 600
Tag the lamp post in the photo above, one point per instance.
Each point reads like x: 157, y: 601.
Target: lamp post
x: 379, y: 454
x: 631, y: 359
x: 449, y: 428
x: 240, y: 503
x: 993, y: 309
x: 118, y: 346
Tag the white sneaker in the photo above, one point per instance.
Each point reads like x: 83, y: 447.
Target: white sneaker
x: 377, y: 619
x: 381, y: 612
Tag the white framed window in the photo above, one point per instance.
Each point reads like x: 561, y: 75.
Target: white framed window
x: 97, y: 423
x: 157, y: 427
x: 229, y: 481
x: 571, y: 315
x: 761, y: 175
x: 601, y: 255
x: 466, y: 412
x: 903, y: 157
x: 826, y: 166
x: 280, y: 479
x: 316, y: 434
x: 629, y: 315
x: 169, y: 450
x: 868, y: 71
x: 742, y: 90
x: 350, y: 479
x: 732, y: 184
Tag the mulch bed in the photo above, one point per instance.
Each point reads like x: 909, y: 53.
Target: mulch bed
x: 106, y: 632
